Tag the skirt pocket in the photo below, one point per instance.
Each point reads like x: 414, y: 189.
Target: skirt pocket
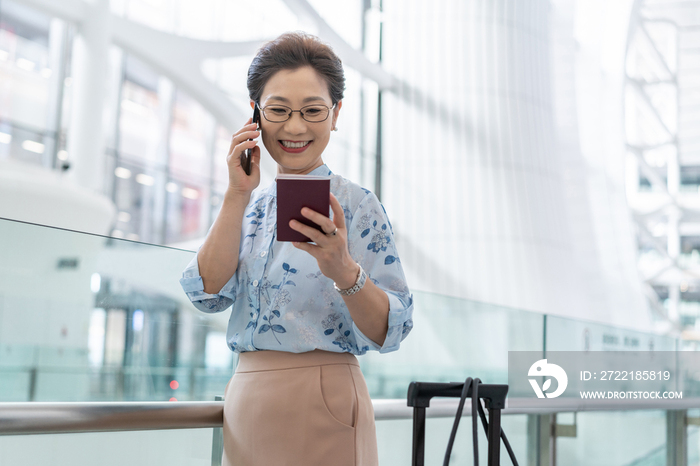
x: 338, y: 394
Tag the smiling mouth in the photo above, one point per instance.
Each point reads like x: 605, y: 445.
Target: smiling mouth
x: 295, y: 145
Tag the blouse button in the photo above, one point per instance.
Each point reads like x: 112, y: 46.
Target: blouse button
x: 255, y: 283
x: 263, y: 254
x: 269, y: 229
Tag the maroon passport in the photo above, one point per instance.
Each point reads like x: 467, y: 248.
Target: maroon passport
x: 295, y: 192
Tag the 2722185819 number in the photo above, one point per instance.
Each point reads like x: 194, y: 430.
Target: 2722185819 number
x: 626, y: 375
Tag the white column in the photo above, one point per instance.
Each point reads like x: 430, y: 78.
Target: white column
x: 166, y: 101
x: 673, y: 182
x: 674, y: 298
x: 86, y: 145
x: 674, y: 250
x: 57, y: 57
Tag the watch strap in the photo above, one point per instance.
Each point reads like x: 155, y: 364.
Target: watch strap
x: 359, y: 283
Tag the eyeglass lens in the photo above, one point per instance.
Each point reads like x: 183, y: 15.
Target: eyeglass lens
x: 280, y: 113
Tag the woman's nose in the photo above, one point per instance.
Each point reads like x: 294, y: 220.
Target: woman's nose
x: 296, y: 124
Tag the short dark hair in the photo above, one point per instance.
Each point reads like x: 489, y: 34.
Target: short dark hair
x: 291, y: 51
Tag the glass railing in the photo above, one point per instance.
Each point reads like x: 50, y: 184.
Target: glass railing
x: 453, y: 337
x: 183, y: 447
x: 92, y: 318
x: 614, y: 438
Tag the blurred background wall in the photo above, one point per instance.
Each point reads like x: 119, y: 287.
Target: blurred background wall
x: 492, y: 131
x: 513, y: 192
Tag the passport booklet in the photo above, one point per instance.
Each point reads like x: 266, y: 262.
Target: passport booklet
x: 295, y: 192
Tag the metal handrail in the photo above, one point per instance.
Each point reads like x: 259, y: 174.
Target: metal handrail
x: 71, y: 417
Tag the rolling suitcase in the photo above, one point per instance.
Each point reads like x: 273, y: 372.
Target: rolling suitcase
x: 419, y: 395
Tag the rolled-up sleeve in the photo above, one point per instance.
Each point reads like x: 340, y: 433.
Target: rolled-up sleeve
x: 193, y: 286
x: 371, y: 244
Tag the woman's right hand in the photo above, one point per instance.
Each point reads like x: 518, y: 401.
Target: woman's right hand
x: 238, y: 181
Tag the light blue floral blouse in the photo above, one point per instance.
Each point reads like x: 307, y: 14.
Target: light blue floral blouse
x: 280, y: 299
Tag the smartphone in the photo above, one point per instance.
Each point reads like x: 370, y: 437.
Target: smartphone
x: 247, y: 155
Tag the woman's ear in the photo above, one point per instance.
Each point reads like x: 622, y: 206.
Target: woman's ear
x: 336, y: 111
x: 252, y: 104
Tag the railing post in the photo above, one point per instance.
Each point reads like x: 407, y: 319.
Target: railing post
x: 193, y: 384
x: 676, y: 438
x: 32, y: 383
x: 217, y: 442
x: 120, y: 383
x: 540, y: 451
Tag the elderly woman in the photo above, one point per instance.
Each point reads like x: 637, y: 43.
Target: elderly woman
x: 301, y: 311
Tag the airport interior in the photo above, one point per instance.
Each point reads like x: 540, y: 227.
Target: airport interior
x: 539, y: 161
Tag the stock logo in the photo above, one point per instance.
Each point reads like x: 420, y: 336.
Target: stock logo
x: 543, y: 369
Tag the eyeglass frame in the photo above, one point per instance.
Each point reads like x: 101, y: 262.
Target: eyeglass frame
x: 291, y: 111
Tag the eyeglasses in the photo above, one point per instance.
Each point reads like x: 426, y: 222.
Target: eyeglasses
x: 280, y: 113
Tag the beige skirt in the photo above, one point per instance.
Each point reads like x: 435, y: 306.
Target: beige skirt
x: 297, y: 409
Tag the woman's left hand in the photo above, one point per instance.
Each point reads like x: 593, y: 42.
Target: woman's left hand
x: 330, y: 251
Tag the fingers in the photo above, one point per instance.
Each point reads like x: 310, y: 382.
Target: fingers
x: 243, y: 136
x: 249, y: 131
x: 256, y: 155
x: 338, y: 214
x: 310, y: 248
x: 255, y: 162
x: 312, y: 233
x: 321, y: 220
x: 244, y: 139
x: 245, y: 127
x: 237, y: 151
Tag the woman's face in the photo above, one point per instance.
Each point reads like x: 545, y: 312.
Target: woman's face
x: 296, y: 89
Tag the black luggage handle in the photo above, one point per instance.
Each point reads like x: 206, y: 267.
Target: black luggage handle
x: 420, y: 394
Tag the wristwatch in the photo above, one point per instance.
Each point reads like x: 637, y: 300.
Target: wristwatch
x: 359, y: 283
